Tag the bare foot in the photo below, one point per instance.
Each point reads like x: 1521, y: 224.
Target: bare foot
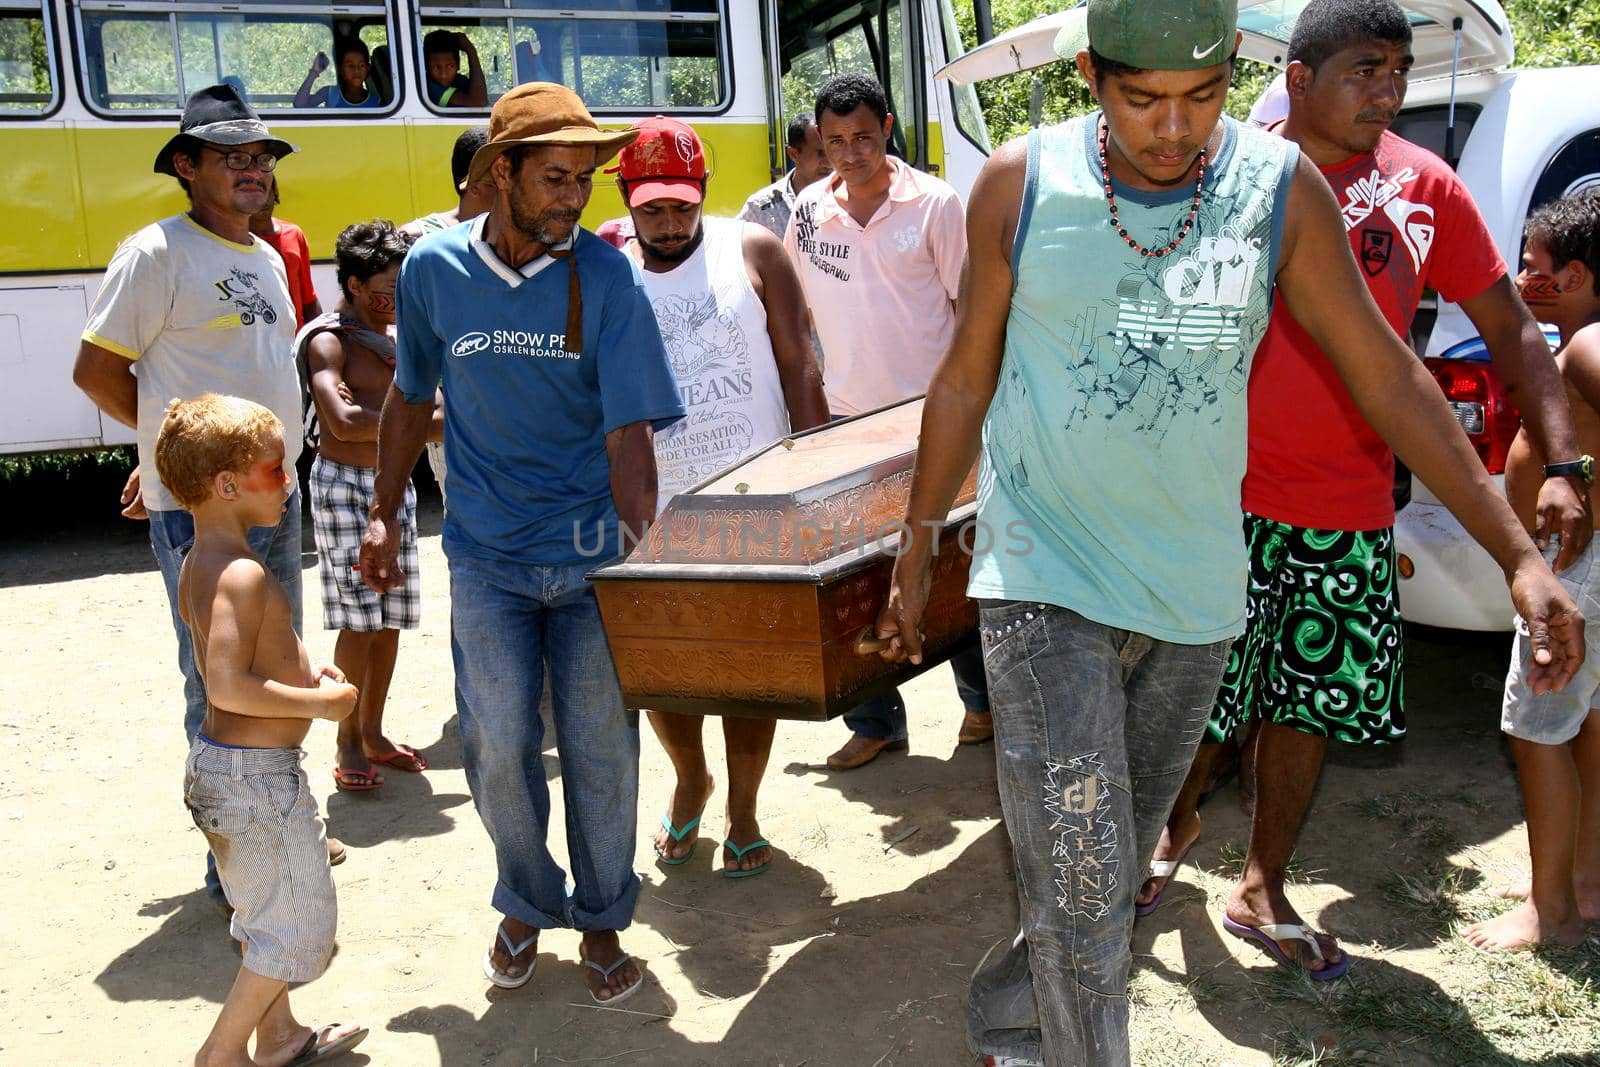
x: 1521, y: 928
x: 1264, y: 908
x: 1588, y: 900
x: 276, y: 1053
x: 1169, y: 851
x: 519, y: 933
x: 401, y: 757
x: 603, y: 949
x: 687, y: 805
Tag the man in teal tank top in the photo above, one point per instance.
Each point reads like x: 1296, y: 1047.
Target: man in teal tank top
x: 1129, y: 260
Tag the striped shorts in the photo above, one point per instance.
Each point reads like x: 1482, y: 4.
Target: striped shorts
x: 256, y: 811
x: 340, y: 497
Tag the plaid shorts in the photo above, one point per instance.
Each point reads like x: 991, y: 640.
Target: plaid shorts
x: 340, y: 497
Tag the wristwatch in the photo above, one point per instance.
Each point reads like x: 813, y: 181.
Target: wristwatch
x: 1583, y: 467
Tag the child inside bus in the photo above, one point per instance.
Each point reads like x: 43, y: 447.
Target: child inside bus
x: 447, y: 86
x: 222, y: 458
x: 350, y: 88
x: 1555, y: 737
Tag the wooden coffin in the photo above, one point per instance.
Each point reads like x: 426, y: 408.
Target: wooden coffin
x: 757, y: 591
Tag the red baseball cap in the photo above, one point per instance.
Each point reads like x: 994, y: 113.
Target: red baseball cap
x: 665, y: 162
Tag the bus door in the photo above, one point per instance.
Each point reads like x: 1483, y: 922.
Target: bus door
x: 817, y: 39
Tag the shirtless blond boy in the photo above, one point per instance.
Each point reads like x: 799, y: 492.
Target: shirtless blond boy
x: 349, y: 358
x: 1555, y: 737
x: 222, y: 458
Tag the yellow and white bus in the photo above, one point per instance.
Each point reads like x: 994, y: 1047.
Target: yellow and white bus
x: 90, y: 89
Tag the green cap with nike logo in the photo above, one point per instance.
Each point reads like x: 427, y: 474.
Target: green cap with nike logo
x: 1153, y: 34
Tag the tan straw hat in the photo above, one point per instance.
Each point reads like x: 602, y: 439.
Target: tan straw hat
x: 544, y: 113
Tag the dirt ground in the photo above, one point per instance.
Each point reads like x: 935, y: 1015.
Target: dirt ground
x: 889, y: 885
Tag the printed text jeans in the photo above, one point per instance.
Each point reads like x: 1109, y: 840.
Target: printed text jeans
x: 1095, y: 729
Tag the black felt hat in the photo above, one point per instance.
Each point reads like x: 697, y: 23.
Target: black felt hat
x: 218, y: 115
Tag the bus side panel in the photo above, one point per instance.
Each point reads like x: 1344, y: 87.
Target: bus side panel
x: 121, y: 193
x: 428, y: 146
x: 40, y: 408
x: 44, y: 228
x: 346, y: 174
x: 738, y: 155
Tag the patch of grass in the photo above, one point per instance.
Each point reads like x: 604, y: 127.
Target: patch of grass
x: 1299, y: 1047
x: 1428, y: 898
x: 1230, y: 864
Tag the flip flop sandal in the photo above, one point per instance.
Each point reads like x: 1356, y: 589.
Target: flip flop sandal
x: 1160, y: 869
x: 355, y: 781
x: 677, y: 835
x: 403, y: 758
x: 499, y: 977
x: 606, y: 973
x: 1268, y: 937
x: 310, y: 1053
x: 739, y: 854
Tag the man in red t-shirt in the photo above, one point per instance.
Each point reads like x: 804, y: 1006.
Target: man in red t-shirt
x: 289, y: 241
x: 1321, y: 655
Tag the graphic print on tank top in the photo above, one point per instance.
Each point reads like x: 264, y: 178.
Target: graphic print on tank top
x: 1152, y: 357
x: 714, y: 327
x: 711, y: 360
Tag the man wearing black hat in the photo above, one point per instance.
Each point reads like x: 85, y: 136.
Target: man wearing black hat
x: 202, y: 306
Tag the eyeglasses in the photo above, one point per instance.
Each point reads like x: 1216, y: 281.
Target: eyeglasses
x: 265, y: 162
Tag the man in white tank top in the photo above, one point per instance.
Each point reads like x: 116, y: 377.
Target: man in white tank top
x: 734, y: 321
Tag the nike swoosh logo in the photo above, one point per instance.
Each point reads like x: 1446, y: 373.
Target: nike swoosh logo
x: 1198, y: 54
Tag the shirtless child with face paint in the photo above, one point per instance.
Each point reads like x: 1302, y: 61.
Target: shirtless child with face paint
x: 349, y: 358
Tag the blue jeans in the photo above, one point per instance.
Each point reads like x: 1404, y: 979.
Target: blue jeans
x: 1095, y: 729
x: 171, y: 534
x: 884, y: 718
x: 508, y: 625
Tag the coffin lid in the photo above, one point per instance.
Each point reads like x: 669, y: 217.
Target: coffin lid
x: 799, y: 509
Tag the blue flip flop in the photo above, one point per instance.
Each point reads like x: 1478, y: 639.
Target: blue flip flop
x: 678, y: 835
x: 738, y: 854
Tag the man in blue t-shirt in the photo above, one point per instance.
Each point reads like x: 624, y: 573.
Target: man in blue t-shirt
x: 555, y: 379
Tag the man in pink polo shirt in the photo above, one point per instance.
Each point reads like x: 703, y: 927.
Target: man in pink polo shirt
x: 879, y: 246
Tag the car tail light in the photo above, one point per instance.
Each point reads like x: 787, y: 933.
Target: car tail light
x: 1479, y: 403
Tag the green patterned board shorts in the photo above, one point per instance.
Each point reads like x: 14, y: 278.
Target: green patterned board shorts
x: 1322, y: 649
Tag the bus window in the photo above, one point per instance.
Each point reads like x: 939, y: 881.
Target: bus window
x: 26, y: 85
x: 619, y: 55
x: 821, y: 38
x: 152, y: 61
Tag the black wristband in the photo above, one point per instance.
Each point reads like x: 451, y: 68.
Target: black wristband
x: 1582, y: 467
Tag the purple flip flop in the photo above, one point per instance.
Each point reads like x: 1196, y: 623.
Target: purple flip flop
x: 1160, y: 869
x: 1268, y: 937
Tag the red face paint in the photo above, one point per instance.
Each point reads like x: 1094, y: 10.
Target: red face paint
x: 268, y: 475
x: 1538, y: 290
x: 380, y: 303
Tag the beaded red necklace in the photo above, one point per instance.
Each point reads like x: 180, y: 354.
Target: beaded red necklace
x: 1111, y: 202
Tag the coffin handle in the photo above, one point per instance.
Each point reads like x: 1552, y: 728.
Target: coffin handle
x: 868, y: 643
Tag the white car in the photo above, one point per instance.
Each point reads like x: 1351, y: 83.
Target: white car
x: 1519, y: 138
x: 1525, y: 137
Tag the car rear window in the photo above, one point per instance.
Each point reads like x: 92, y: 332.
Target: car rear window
x: 1427, y: 126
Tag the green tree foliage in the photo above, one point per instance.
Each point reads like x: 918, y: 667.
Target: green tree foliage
x: 1555, y: 33
x: 1549, y: 33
